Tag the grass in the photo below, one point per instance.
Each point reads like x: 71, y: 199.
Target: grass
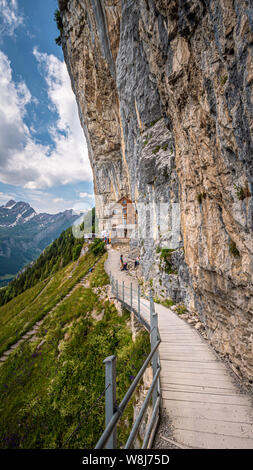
x: 148, y: 137
x: 19, y: 315
x: 223, y: 79
x: 180, y: 309
x: 166, y: 302
x: 166, y: 257
x: 49, y: 387
x: 156, y: 149
x: 154, y: 122
x: 99, y: 277
x: 13, y: 315
x: 241, y: 192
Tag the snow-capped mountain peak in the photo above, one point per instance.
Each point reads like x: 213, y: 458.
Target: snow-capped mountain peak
x: 15, y: 213
x: 24, y: 233
x: 10, y: 204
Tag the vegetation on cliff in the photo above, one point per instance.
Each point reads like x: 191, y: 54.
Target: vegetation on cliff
x: 58, y: 20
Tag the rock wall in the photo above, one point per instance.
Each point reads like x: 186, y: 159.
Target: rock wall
x: 164, y: 89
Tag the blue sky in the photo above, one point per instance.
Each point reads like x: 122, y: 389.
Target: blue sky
x: 43, y: 152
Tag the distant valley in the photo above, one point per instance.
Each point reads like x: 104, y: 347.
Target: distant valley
x: 24, y: 234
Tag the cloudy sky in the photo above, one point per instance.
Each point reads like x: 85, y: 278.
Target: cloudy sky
x: 43, y: 153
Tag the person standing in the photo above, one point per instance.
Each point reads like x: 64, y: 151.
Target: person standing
x: 137, y: 262
x: 121, y: 262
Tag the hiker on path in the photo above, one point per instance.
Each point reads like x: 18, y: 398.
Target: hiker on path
x: 123, y: 266
x: 137, y: 262
x: 121, y: 263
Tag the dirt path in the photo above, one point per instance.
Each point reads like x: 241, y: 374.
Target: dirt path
x: 202, y: 404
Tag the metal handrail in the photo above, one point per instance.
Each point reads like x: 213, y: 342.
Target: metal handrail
x: 117, y: 415
x: 142, y: 410
x: 114, y: 412
x: 137, y: 315
x: 151, y: 424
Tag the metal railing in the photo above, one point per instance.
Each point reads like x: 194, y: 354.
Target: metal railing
x: 131, y: 300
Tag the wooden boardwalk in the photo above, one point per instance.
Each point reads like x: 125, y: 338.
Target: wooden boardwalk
x: 202, y: 400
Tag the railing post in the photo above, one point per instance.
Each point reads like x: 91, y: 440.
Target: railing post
x: 110, y: 398
x: 123, y: 287
x: 139, y: 301
x: 153, y: 340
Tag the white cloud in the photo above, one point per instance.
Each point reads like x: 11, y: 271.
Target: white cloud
x: 11, y: 17
x: 13, y: 131
x: 83, y: 195
x: 22, y: 160
x: 5, y: 197
x: 58, y: 199
x: 40, y: 200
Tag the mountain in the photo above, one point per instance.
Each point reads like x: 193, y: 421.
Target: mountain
x: 65, y: 249
x: 24, y: 234
x: 15, y: 213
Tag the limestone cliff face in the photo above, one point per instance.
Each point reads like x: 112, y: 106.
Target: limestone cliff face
x: 165, y: 95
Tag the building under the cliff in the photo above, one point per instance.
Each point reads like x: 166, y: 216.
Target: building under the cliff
x: 122, y: 221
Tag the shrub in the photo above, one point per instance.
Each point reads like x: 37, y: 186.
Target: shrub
x: 241, y: 192
x: 59, y: 24
x: 181, y: 309
x: 58, y: 20
x: 166, y: 303
x: 147, y: 139
x: 223, y: 79
x: 58, y: 41
x: 76, y: 251
x: 156, y: 149
x: 233, y: 249
x: 155, y: 121
x: 166, y: 256
x: 97, y: 247
x: 200, y: 197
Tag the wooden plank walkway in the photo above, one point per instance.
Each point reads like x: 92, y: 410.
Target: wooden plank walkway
x: 201, y: 398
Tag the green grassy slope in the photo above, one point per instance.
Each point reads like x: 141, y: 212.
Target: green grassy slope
x: 19, y: 315
x: 49, y: 387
